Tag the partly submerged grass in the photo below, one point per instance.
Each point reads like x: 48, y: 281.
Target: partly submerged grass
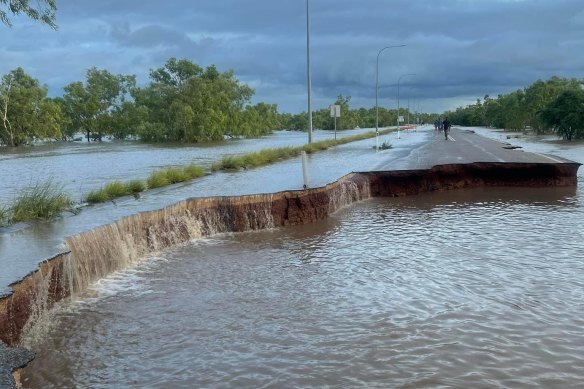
x: 163, y: 177
x: 135, y: 186
x: 113, y: 190
x: 3, y: 216
x: 267, y: 156
x: 40, y: 202
x: 157, y: 179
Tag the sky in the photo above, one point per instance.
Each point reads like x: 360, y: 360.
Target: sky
x: 456, y: 50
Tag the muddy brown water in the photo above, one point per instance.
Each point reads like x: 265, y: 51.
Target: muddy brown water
x: 472, y: 288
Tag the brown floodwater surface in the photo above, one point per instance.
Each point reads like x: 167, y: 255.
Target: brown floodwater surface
x: 471, y: 288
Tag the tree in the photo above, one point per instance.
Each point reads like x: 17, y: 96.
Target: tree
x: 26, y: 111
x: 90, y: 107
x: 566, y: 114
x: 186, y: 103
x: 44, y: 11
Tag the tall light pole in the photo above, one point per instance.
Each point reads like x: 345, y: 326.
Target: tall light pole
x: 308, y: 81
x: 377, y: 94
x: 398, y: 80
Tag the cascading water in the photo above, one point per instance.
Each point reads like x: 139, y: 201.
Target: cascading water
x: 97, y: 253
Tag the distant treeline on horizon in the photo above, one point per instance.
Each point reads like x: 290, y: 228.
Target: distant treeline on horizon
x: 184, y: 102
x: 552, y: 106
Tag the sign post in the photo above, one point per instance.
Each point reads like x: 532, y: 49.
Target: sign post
x: 335, y: 113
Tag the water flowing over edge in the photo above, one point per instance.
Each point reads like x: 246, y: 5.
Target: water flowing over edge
x: 96, y: 253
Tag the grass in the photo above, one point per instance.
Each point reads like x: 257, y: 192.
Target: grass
x: 194, y: 171
x: 173, y: 175
x: 157, y: 179
x: 40, y: 202
x: 115, y: 189
x: 135, y: 186
x: 267, y: 156
x: 3, y: 216
x: 48, y: 201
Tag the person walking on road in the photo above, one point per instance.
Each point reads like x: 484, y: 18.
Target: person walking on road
x: 446, y: 124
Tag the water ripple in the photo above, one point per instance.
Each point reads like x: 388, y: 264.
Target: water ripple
x: 466, y: 289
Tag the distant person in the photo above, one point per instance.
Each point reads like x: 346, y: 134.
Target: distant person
x: 436, y: 124
x: 446, y: 124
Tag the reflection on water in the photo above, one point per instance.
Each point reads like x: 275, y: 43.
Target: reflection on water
x: 478, y: 288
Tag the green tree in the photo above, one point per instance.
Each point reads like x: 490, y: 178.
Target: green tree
x: 26, y: 111
x: 566, y: 114
x: 44, y: 11
x: 187, y: 103
x: 91, y: 107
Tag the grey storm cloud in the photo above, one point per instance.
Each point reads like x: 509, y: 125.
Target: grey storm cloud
x: 459, y: 50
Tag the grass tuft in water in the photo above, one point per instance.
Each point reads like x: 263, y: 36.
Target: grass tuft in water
x: 97, y: 196
x: 43, y: 201
x: 3, y: 216
x: 135, y: 186
x: 157, y: 179
x: 194, y: 171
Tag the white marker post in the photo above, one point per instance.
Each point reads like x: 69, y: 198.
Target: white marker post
x: 304, y: 168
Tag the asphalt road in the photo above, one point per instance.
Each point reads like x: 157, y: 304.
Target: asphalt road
x: 464, y: 146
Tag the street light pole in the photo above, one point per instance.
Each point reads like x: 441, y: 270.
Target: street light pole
x: 377, y: 94
x: 398, y: 80
x: 308, y: 80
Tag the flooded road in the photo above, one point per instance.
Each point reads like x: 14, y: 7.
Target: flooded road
x: 81, y: 167
x: 469, y: 288
x: 23, y: 248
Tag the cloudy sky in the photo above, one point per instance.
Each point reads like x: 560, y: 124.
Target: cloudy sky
x: 458, y: 49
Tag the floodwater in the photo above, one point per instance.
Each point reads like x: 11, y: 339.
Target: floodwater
x: 80, y: 167
x: 23, y: 247
x: 471, y: 288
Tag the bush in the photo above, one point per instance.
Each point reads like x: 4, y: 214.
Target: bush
x: 40, y: 202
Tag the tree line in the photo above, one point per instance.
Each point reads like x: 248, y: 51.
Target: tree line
x: 182, y: 102
x: 552, y: 106
x: 352, y: 118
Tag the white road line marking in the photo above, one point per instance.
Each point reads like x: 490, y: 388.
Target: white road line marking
x: 548, y: 157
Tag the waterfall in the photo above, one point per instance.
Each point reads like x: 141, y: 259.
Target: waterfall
x: 97, y: 253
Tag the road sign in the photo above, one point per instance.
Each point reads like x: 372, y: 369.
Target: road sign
x: 335, y: 111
